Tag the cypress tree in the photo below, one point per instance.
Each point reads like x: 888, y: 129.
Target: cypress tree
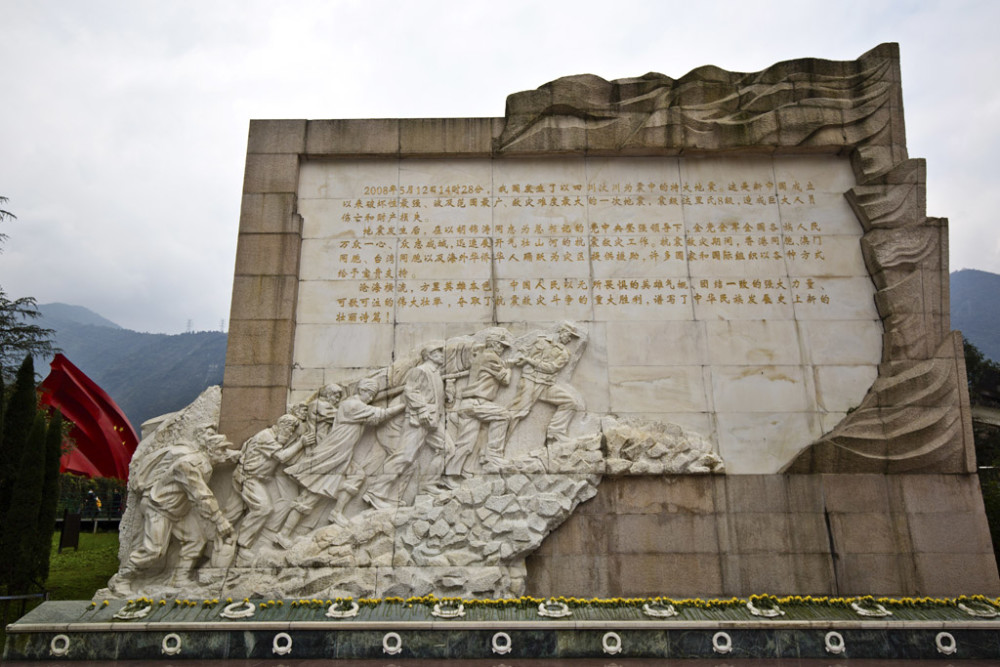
x: 49, y: 499
x: 17, y: 557
x: 19, y: 417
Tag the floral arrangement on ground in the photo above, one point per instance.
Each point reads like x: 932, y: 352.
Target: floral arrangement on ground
x: 433, y: 608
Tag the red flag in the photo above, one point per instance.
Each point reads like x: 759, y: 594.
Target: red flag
x: 105, y: 440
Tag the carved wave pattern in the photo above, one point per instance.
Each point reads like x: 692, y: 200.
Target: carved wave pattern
x: 798, y: 103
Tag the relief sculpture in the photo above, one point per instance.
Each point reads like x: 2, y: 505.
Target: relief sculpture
x: 440, y: 473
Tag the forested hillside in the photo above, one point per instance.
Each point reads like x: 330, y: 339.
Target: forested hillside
x: 146, y: 374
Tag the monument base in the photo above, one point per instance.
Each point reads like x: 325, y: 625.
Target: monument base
x: 720, y: 536
x: 58, y: 631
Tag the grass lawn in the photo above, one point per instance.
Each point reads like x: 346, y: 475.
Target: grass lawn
x: 77, y: 574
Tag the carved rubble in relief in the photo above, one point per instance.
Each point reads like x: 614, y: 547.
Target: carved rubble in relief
x: 439, y: 473
x: 910, y: 420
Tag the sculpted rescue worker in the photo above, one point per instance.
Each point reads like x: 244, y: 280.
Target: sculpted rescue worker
x: 173, y: 482
x: 424, y: 398
x: 541, y: 363
x: 253, y: 475
x: 476, y: 406
x: 329, y: 470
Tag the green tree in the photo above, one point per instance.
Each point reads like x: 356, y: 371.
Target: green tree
x: 49, y: 500
x: 984, y: 389
x: 18, y: 561
x: 18, y: 419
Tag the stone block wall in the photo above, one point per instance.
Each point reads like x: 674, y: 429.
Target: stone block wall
x: 713, y: 536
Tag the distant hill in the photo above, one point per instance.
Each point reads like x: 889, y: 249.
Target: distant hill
x: 147, y: 375
x: 975, y: 309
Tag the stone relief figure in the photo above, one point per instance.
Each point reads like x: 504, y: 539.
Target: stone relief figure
x: 541, y: 362
x: 298, y: 523
x: 323, y: 410
x: 174, y: 495
x: 477, y: 407
x: 329, y: 470
x: 259, y: 461
x: 424, y: 401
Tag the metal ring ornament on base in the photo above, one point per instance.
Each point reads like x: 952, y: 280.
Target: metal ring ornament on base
x: 659, y: 611
x: 241, y: 609
x: 501, y: 643
x: 448, y: 611
x: 978, y: 609
x: 553, y: 609
x: 171, y: 644
x: 334, y: 612
x: 392, y: 643
x: 282, y: 644
x: 945, y: 643
x: 834, y: 642
x: 133, y: 611
x: 611, y: 643
x: 59, y: 646
x: 722, y: 643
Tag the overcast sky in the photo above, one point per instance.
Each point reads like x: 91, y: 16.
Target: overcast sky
x: 123, y: 124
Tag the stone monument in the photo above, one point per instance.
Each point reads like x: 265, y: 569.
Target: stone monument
x: 645, y: 336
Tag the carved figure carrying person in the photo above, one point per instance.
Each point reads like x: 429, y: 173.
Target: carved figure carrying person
x: 541, y: 362
x: 329, y: 470
x: 476, y: 407
x: 424, y: 400
x: 252, y: 479
x: 173, y: 485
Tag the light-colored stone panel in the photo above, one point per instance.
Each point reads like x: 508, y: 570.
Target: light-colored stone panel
x: 324, y: 218
x: 551, y: 173
x: 849, y: 299
x: 760, y: 388
x: 650, y: 172
x: 753, y: 342
x: 841, y: 388
x: 829, y: 255
x: 540, y: 214
x: 850, y: 342
x: 826, y: 173
x: 723, y: 170
x: 730, y: 302
x: 324, y: 301
x: 307, y: 379
x: 436, y: 216
x: 657, y: 389
x: 323, y: 259
x: 643, y: 213
x: 832, y: 214
x: 445, y: 178
x: 354, y: 345
x: 417, y: 305
x: 656, y: 304
x: 760, y: 443
x: 437, y: 259
x: 517, y: 303
x: 656, y: 343
x: 650, y: 257
x: 350, y: 179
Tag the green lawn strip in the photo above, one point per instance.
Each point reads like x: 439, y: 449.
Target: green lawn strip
x: 76, y: 574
